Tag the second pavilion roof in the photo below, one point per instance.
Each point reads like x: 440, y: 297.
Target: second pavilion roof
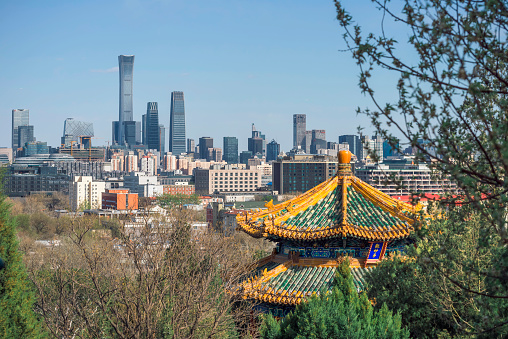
x: 343, y: 206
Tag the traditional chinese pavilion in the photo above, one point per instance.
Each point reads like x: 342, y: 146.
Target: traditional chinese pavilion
x: 342, y: 216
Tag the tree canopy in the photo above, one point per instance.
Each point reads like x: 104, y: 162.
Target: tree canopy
x: 175, y: 200
x: 17, y: 318
x: 451, y: 104
x: 343, y: 313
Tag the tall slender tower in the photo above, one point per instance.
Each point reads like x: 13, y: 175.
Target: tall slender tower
x: 126, y: 69
x: 152, y: 126
x: 177, y: 124
x: 299, y: 128
x: 20, y: 117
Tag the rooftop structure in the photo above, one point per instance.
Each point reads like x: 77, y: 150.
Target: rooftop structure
x: 341, y: 217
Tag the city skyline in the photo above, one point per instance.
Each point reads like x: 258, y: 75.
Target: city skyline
x: 253, y: 62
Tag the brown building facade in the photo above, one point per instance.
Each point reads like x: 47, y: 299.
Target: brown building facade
x: 119, y: 199
x: 179, y: 189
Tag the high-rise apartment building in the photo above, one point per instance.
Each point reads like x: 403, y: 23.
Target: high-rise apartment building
x: 299, y: 128
x: 86, y: 193
x: 204, y: 144
x: 191, y: 146
x: 152, y: 126
x: 272, y: 150
x: 230, y: 150
x: 20, y: 117
x: 131, y: 162
x: 177, y: 124
x: 126, y: 70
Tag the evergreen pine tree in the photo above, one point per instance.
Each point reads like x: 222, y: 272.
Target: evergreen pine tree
x: 343, y: 313
x: 17, y: 318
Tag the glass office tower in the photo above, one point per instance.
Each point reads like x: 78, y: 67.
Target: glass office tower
x: 355, y: 144
x: 272, y: 150
x: 162, y: 138
x: 152, y: 126
x: 204, y: 144
x: 230, y: 150
x: 20, y: 117
x: 177, y: 124
x: 126, y: 69
x: 299, y: 128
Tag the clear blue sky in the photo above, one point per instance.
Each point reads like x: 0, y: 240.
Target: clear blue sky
x: 238, y: 62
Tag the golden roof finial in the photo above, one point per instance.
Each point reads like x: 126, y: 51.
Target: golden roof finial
x: 344, y: 158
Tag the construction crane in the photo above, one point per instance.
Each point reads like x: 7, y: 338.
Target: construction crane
x: 72, y: 142
x: 90, y: 145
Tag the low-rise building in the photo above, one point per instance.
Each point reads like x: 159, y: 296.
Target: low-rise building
x: 413, y: 178
x: 179, y: 188
x: 142, y: 184
x: 301, y: 172
x: 225, y: 179
x: 23, y: 180
x: 119, y: 199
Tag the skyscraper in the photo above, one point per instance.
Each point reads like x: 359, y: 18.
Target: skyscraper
x: 20, y: 117
x: 25, y: 134
x: 230, y: 150
x: 132, y: 130
x: 190, y: 146
x: 204, y: 144
x: 355, y: 144
x: 272, y: 150
x: 245, y: 156
x: 255, y: 145
x: 152, y: 126
x: 162, y: 137
x: 144, y: 128
x: 307, y: 142
x: 177, y: 124
x: 126, y: 69
x: 299, y: 128
x: 318, y: 140
x: 214, y: 154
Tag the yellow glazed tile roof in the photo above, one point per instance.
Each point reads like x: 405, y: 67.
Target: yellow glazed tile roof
x: 343, y: 206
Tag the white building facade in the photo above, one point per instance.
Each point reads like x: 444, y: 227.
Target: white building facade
x: 86, y: 193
